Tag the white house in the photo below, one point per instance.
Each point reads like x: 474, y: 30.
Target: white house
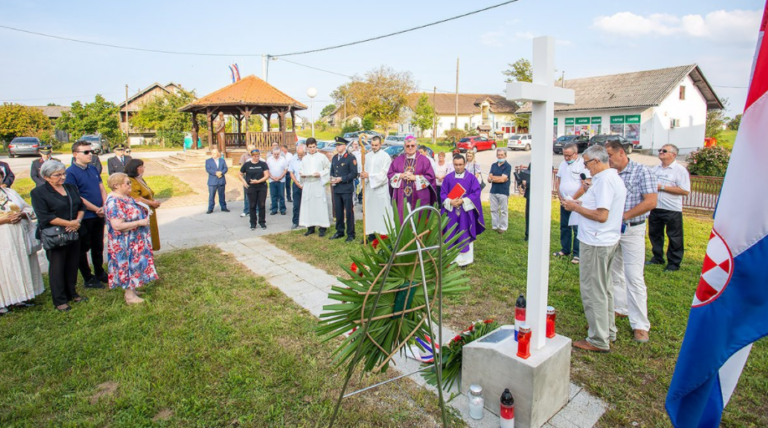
x: 653, y: 107
x: 499, y: 113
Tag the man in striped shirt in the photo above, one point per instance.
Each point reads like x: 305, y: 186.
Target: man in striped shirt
x: 627, y: 269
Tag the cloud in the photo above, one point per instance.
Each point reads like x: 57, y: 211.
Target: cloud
x: 525, y: 35
x: 723, y: 26
x: 492, y: 38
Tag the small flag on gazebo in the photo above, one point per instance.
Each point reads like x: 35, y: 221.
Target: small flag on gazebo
x: 234, y: 71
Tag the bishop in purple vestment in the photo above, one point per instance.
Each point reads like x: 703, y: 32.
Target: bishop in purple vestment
x: 465, y: 211
x: 411, y: 179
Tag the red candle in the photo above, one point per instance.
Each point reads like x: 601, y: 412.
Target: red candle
x: 551, y: 318
x: 524, y: 342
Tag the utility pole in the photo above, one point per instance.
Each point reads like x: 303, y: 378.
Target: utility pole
x: 127, y: 124
x: 562, y: 80
x: 434, y: 118
x: 456, y: 115
x: 264, y: 124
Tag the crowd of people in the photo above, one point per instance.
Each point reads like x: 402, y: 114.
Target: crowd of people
x: 69, y: 211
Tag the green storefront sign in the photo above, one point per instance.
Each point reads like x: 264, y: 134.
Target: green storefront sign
x: 617, y: 120
x: 597, y: 120
x: 582, y: 121
x: 569, y: 121
x: 633, y: 119
x: 555, y: 121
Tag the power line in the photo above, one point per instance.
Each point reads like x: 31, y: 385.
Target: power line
x: 402, y: 31
x: 130, y: 48
x: 61, y: 98
x: 730, y: 87
x: 314, y: 68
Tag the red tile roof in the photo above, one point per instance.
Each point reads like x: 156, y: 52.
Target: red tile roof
x: 248, y: 91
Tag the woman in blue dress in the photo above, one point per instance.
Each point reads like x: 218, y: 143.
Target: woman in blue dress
x: 131, y: 263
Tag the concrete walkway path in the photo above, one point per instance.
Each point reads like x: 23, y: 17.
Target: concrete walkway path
x: 309, y: 286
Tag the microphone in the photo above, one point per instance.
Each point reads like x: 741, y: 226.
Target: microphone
x: 583, y: 176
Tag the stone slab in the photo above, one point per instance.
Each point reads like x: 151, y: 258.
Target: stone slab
x: 539, y: 384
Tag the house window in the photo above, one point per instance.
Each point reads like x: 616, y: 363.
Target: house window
x: 682, y: 92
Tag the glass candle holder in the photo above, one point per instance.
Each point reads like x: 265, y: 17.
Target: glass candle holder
x: 476, y: 402
x: 551, y: 318
x: 524, y: 342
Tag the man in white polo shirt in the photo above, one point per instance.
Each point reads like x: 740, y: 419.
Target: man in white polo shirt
x: 673, y: 183
x: 568, y: 182
x: 601, y: 210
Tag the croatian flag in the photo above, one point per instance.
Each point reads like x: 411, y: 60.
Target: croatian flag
x: 731, y: 301
x: 232, y: 73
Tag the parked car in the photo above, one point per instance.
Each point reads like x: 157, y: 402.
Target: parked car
x: 356, y: 134
x: 519, y: 142
x: 476, y: 144
x: 24, y: 146
x: 581, y: 141
x: 394, y: 140
x: 97, y: 142
x: 395, y: 151
x: 600, y: 140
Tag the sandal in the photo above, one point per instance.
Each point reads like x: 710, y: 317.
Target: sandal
x: 64, y: 309
x: 559, y: 254
x: 80, y: 299
x: 575, y: 260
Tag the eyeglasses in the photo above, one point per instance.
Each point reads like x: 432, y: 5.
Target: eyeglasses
x: 59, y: 175
x: 664, y: 151
x: 86, y: 152
x: 588, y: 161
x: 410, y: 146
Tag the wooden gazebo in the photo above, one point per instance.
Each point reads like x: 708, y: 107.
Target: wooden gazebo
x: 246, y: 97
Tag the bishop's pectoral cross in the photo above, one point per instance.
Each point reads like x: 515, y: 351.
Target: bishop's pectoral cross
x: 543, y: 95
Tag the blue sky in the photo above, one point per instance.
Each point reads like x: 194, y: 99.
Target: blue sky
x: 594, y: 38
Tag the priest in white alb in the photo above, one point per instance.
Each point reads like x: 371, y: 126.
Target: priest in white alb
x: 377, y: 203
x: 315, y: 174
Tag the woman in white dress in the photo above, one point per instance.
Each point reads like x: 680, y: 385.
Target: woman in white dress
x: 20, y: 277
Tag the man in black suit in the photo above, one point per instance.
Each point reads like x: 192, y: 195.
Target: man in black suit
x: 6, y: 175
x: 34, y: 173
x: 343, y: 175
x: 119, y: 161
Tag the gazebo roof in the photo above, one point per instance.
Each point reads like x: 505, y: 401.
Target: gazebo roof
x: 249, y: 91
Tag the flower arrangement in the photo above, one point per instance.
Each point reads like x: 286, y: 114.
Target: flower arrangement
x: 709, y: 161
x: 453, y: 354
x: 400, y: 315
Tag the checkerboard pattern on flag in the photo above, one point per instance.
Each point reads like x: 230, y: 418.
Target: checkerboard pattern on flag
x: 729, y: 307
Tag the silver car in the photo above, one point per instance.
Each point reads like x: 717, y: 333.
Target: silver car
x: 97, y: 142
x: 519, y: 142
x: 394, y: 140
x: 24, y: 146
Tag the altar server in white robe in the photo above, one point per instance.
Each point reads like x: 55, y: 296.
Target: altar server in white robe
x: 377, y: 202
x: 315, y: 174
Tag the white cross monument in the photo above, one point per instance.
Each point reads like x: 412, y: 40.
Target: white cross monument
x: 543, y: 95
x: 540, y: 382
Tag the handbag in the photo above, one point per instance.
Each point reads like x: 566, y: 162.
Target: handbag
x: 57, y: 236
x: 482, y: 182
x: 33, y: 244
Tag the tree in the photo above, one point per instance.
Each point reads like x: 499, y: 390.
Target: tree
x: 734, y: 124
x: 162, y: 115
x: 368, y: 123
x: 381, y: 93
x: 19, y: 121
x: 520, y: 71
x: 327, y: 110
x: 716, y: 120
x: 98, y: 117
x: 423, y: 115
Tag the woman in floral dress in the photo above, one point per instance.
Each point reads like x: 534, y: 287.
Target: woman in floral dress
x: 131, y: 263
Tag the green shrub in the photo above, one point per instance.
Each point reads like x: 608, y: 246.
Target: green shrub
x: 454, y: 134
x: 709, y: 161
x: 350, y: 127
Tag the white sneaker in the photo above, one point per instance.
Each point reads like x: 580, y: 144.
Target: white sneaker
x: 243, y: 215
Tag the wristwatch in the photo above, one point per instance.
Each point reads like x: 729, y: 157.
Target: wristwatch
x: 662, y: 187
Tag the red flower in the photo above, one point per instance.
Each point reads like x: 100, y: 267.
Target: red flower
x: 353, y: 268
x: 471, y: 327
x: 375, y: 243
x: 458, y: 338
x: 488, y: 321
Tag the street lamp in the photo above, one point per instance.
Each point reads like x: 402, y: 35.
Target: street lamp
x: 312, y: 93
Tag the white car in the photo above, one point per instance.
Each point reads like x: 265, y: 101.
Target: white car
x: 519, y: 142
x: 394, y: 140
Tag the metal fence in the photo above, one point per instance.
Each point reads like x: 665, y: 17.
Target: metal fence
x: 705, y: 191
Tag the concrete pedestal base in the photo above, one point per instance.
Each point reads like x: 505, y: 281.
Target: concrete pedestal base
x: 539, y: 384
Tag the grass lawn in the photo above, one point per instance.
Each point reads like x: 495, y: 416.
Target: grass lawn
x: 726, y: 139
x: 633, y: 378
x: 213, y: 346
x: 328, y: 135
x: 164, y: 186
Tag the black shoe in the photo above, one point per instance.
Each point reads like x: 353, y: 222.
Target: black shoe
x: 253, y: 227
x: 224, y: 210
x: 350, y: 239
x: 209, y: 211
x: 273, y: 213
x: 263, y: 226
x: 670, y: 268
x: 103, y: 278
x: 653, y: 262
x: 93, y: 283
x: 290, y: 200
x: 337, y: 235
x: 310, y: 231
x: 322, y: 234
x: 282, y: 213
x: 68, y: 308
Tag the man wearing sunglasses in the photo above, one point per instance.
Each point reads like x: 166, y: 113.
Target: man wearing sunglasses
x: 673, y: 184
x: 84, y: 175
